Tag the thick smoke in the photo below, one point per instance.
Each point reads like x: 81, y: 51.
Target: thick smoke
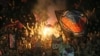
x: 45, y: 9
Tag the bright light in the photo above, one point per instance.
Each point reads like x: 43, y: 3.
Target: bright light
x: 47, y: 31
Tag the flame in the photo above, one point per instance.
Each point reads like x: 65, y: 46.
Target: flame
x: 44, y: 32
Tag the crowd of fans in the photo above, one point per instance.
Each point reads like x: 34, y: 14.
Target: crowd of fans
x: 21, y: 10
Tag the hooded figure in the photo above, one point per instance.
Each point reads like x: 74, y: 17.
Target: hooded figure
x: 66, y: 50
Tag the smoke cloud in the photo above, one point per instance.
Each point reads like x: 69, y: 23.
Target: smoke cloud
x: 45, y: 9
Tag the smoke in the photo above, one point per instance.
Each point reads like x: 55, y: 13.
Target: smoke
x: 45, y: 10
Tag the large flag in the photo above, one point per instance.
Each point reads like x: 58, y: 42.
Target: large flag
x: 72, y: 20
